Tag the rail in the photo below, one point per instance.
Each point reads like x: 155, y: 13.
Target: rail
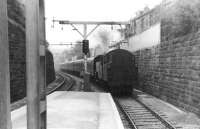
x: 60, y: 81
x: 130, y: 121
x: 70, y: 83
x: 163, y: 120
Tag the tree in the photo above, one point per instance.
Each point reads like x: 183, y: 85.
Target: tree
x: 75, y: 51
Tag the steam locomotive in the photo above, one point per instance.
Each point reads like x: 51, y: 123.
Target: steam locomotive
x: 116, y: 69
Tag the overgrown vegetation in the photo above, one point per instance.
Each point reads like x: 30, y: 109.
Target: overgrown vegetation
x: 74, y: 52
x: 181, y: 19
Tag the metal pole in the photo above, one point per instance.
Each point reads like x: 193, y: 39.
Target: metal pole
x: 86, y: 75
x: 33, y: 64
x: 43, y: 103
x: 5, y: 116
x: 85, y: 56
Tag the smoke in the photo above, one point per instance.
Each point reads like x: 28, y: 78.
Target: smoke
x: 105, y: 38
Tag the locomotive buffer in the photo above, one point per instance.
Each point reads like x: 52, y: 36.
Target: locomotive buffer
x: 85, y: 42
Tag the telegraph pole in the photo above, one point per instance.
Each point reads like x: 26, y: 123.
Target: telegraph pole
x: 85, y: 35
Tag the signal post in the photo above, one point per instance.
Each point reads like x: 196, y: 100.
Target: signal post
x: 86, y: 77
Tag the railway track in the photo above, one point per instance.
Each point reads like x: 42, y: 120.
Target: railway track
x: 61, y: 80
x: 69, y: 82
x: 137, y: 115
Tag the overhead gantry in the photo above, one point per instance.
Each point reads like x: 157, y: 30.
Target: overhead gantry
x: 85, y: 35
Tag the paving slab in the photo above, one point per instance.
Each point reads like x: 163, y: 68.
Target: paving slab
x: 75, y: 110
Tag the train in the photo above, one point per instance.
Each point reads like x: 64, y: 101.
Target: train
x: 115, y: 69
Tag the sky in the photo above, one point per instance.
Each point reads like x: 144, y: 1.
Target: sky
x: 88, y: 10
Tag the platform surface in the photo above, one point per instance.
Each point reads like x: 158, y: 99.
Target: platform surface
x: 75, y: 110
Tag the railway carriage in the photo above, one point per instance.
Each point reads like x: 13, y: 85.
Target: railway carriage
x: 77, y: 67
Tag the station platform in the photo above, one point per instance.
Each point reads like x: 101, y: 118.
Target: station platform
x: 75, y: 110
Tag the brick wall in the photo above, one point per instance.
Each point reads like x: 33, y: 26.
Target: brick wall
x: 171, y: 71
x: 16, y: 30
x: 147, y: 61
x: 17, y: 51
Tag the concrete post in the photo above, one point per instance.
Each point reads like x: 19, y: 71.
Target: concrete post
x: 33, y: 63
x: 43, y: 103
x: 5, y: 118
